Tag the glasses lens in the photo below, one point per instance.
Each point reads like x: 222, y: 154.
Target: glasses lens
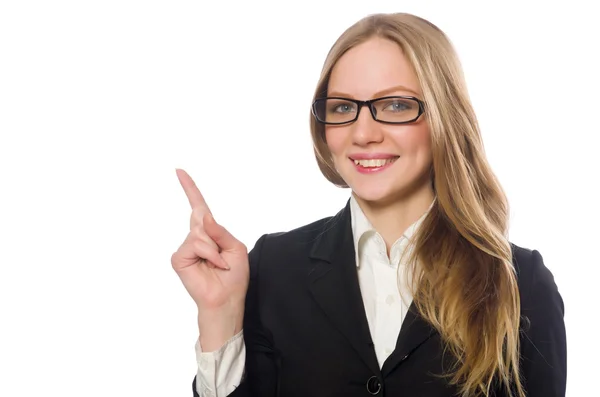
x: 396, y: 109
x: 335, y: 110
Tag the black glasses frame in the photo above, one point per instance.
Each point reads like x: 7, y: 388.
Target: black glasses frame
x: 369, y: 103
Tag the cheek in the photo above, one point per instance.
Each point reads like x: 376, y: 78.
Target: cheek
x: 335, y: 141
x: 424, y: 141
x: 417, y: 140
x: 423, y: 147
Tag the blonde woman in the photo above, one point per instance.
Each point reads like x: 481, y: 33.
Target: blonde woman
x: 412, y: 289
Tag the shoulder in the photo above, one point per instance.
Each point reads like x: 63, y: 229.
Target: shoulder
x: 538, y: 290
x: 532, y: 274
x: 305, y: 234
x: 296, y: 242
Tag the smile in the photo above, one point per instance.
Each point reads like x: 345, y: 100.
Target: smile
x: 367, y: 166
x: 374, y: 162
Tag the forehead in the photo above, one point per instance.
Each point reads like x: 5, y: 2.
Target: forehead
x: 373, y: 68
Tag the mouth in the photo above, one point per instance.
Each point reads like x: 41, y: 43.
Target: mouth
x: 367, y: 166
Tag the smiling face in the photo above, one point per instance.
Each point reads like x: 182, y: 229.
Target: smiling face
x: 380, y: 162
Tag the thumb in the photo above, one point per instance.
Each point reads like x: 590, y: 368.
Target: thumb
x: 218, y: 233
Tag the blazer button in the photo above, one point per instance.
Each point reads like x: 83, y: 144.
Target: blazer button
x: 373, y: 385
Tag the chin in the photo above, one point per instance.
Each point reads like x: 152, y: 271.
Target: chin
x: 374, y: 194
x: 383, y: 193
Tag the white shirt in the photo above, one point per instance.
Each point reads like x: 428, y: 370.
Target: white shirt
x: 384, y: 288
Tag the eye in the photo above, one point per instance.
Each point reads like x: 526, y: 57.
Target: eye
x: 340, y: 106
x: 344, y: 108
x: 397, y: 105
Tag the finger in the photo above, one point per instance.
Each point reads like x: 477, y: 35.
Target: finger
x: 203, y: 250
x: 191, y: 190
x: 197, y: 219
x: 193, y: 250
x: 193, y: 274
x: 220, y: 235
x: 199, y: 233
x: 209, y: 264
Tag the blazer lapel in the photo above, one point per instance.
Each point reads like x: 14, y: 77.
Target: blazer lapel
x: 333, y: 282
x: 414, y: 332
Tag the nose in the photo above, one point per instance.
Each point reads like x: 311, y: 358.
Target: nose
x: 365, y: 130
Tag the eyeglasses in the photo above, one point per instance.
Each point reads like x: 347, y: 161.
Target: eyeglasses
x: 389, y: 110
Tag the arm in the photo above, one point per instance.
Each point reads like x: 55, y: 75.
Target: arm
x: 260, y: 369
x: 543, y: 343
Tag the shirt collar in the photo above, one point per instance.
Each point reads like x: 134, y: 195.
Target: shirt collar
x: 361, y: 225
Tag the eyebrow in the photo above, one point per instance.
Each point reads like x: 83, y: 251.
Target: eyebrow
x: 385, y: 92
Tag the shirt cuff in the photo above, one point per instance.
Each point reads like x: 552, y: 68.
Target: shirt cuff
x: 221, y: 371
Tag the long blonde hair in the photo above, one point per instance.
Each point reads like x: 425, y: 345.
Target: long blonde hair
x: 465, y: 283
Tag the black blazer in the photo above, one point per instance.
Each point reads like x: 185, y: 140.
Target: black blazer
x: 307, y: 335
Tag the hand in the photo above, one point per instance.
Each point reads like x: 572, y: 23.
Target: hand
x: 213, y: 267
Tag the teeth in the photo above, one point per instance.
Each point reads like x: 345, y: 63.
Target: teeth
x: 374, y: 162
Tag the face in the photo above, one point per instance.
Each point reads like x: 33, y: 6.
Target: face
x: 401, y: 154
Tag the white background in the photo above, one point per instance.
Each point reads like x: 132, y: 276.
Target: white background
x: 100, y: 101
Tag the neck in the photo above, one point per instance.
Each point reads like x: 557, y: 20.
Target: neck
x: 391, y: 219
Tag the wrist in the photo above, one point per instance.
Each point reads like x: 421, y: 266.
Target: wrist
x: 216, y: 329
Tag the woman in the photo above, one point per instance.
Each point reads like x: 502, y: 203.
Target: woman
x: 413, y: 288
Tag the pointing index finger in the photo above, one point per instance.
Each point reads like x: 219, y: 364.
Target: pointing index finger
x: 191, y: 190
